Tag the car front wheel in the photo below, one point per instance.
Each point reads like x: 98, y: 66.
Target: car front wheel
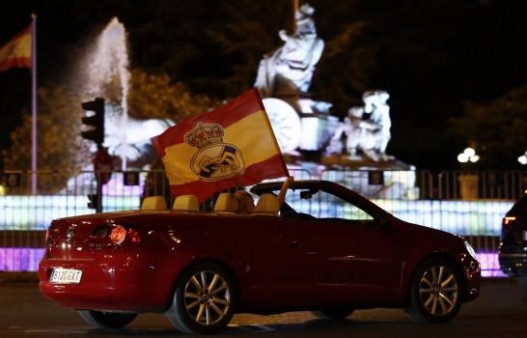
x: 113, y: 320
x: 203, y: 300
x: 435, y: 292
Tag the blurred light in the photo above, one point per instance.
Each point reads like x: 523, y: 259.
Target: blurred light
x: 523, y: 159
x: 469, y: 152
x: 468, y: 155
x: 463, y: 158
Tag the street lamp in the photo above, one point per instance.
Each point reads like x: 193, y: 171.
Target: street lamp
x: 523, y: 158
x: 469, y: 156
x: 468, y: 180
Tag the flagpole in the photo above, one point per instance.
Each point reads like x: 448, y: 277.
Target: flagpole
x: 34, y: 103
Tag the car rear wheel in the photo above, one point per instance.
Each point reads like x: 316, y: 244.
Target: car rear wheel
x: 333, y: 314
x: 111, y: 320
x: 435, y: 294
x: 203, y: 300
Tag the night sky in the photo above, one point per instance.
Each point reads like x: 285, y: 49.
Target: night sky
x: 482, y: 46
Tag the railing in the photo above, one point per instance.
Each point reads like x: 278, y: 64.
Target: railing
x: 464, y: 203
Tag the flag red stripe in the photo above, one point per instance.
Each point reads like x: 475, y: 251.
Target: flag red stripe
x: 20, y: 62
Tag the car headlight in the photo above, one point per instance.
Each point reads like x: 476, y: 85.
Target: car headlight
x: 470, y: 250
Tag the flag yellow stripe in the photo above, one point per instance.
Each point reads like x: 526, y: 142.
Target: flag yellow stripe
x: 19, y: 47
x: 252, y: 135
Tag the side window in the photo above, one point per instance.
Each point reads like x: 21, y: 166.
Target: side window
x: 323, y: 205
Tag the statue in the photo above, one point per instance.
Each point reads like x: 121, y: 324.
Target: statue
x: 283, y: 79
x: 367, y: 128
x: 130, y: 138
x: 377, y: 124
x: 351, y: 128
x: 289, y: 70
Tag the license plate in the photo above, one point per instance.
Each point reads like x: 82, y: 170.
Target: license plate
x: 65, y: 276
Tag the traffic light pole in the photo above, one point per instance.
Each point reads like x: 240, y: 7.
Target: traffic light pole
x: 98, y: 196
x: 102, y: 162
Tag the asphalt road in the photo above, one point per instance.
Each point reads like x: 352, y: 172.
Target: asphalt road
x: 500, y: 311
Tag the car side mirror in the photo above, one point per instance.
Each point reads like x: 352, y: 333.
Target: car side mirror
x: 306, y: 194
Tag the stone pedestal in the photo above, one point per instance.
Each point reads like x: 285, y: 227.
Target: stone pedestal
x: 468, y: 186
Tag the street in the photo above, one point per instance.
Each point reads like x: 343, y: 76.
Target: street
x: 501, y: 310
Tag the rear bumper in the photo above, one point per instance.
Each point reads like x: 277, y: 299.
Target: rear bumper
x: 131, y: 283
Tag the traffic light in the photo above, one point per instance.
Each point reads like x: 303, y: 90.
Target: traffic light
x: 95, y: 121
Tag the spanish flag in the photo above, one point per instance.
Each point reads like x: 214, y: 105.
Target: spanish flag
x: 17, y: 52
x: 233, y: 145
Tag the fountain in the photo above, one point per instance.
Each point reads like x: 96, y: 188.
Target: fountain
x: 106, y: 73
x: 108, y: 76
x: 107, y: 67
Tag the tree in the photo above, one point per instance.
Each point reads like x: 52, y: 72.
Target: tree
x: 156, y: 96
x: 497, y: 128
x: 60, y: 153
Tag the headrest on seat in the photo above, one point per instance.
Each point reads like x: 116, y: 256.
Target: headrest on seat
x: 186, y: 203
x: 154, y: 203
x: 268, y: 204
x: 226, y: 203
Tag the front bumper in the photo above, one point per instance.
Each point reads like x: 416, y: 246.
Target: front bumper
x: 472, y: 272
x: 513, y: 264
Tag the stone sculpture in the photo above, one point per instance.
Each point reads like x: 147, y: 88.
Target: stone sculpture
x: 367, y: 128
x: 289, y: 69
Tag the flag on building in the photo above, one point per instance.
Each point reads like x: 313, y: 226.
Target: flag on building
x: 17, y: 52
x: 233, y: 145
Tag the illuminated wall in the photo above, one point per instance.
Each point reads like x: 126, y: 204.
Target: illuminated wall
x: 36, y: 212
x: 468, y: 218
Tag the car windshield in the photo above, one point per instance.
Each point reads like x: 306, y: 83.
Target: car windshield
x: 321, y: 204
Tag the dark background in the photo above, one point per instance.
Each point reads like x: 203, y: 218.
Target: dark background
x: 431, y: 56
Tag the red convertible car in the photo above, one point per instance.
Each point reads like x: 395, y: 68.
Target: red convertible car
x: 324, y: 249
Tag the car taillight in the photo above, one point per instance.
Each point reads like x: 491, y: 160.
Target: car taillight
x: 120, y: 234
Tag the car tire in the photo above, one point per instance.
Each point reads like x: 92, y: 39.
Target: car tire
x: 112, y: 320
x: 435, y: 294
x: 204, y: 299
x: 333, y: 314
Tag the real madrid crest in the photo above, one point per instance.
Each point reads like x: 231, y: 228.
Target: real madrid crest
x: 214, y: 160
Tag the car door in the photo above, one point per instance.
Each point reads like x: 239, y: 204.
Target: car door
x: 343, y: 254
